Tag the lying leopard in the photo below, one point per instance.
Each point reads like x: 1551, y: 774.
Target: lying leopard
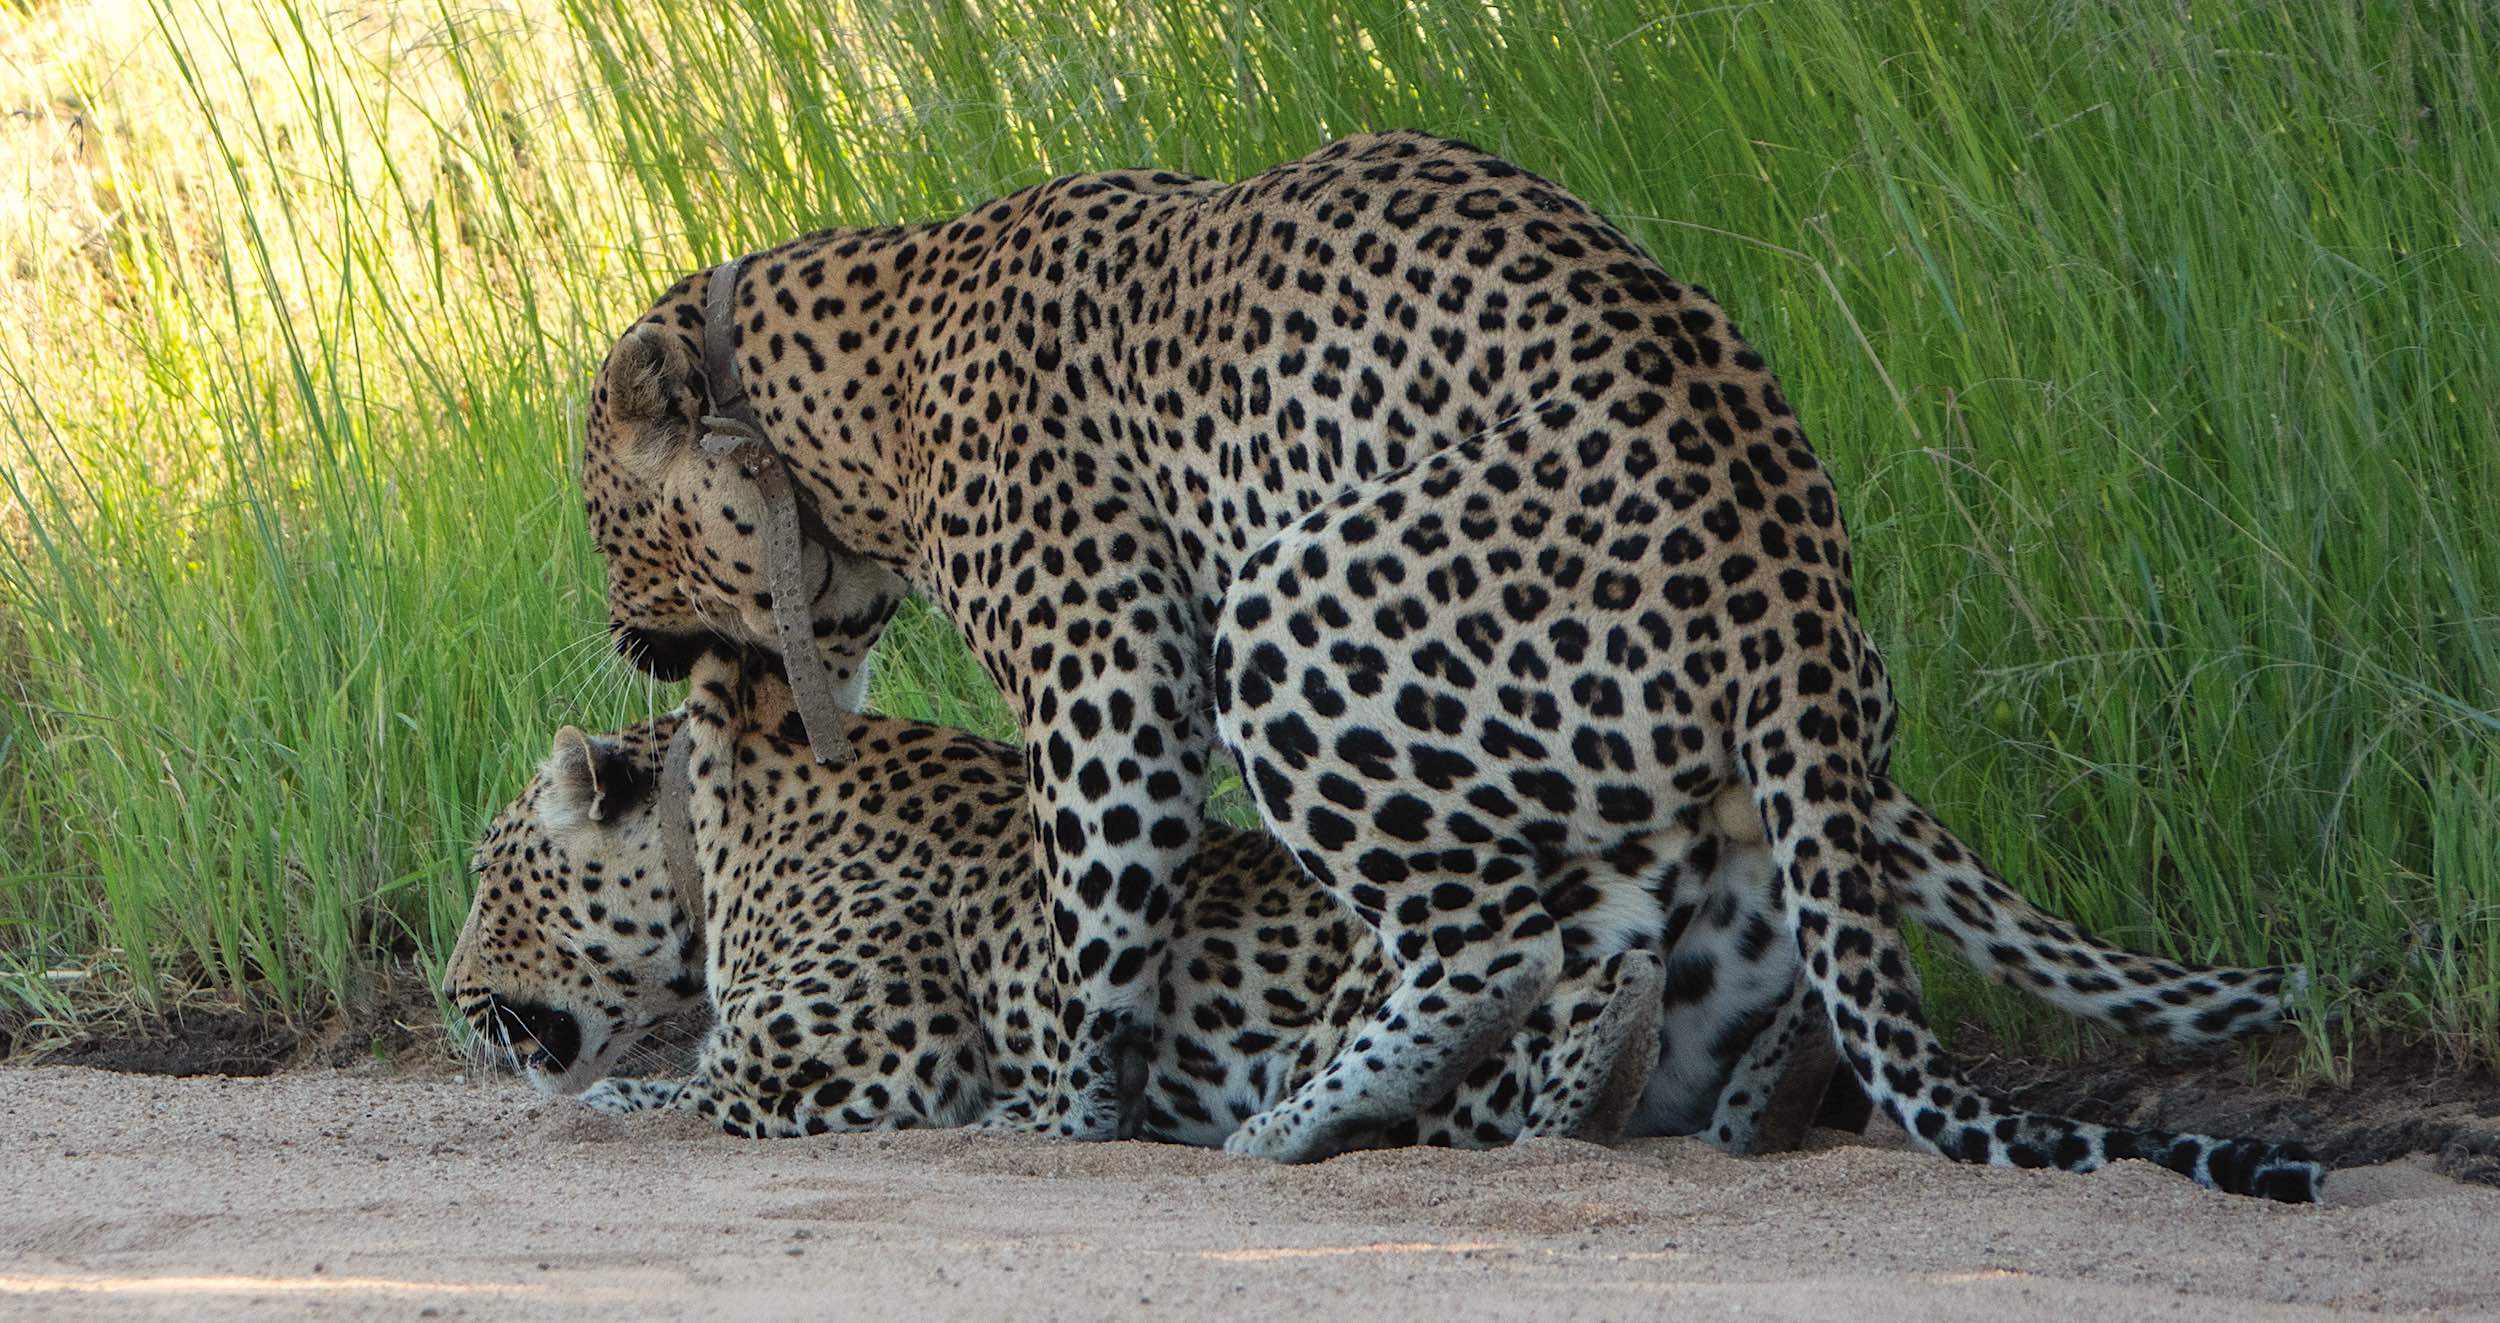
x: 1480, y: 543
x: 876, y: 954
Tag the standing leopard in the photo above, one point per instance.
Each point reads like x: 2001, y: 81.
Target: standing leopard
x: 1478, y: 542
x: 872, y: 941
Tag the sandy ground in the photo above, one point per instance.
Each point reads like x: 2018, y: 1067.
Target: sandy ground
x: 355, y: 1195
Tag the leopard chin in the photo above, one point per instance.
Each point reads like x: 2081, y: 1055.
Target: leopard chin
x: 665, y: 657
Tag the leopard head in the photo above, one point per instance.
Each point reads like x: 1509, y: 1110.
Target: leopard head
x: 578, y: 941
x: 683, y: 526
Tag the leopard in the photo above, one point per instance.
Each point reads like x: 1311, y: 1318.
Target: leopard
x: 896, y: 899
x: 1399, y: 477
x: 870, y: 940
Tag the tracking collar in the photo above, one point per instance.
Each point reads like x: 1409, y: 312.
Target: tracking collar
x: 790, y: 519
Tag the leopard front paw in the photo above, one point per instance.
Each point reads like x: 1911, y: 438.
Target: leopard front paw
x: 620, y: 1096
x: 1016, y: 1120
x: 1281, y: 1135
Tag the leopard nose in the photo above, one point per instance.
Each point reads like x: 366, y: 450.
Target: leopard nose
x: 555, y: 1035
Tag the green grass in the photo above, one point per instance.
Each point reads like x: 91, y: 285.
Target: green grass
x: 2150, y: 343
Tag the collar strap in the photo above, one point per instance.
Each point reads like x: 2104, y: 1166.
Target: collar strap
x: 677, y: 851
x: 789, y: 522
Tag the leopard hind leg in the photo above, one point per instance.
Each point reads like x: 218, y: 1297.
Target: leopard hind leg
x: 1735, y: 1022
x: 1454, y: 1001
x: 1587, y: 1071
x: 1589, y: 1050
x: 1775, y: 1091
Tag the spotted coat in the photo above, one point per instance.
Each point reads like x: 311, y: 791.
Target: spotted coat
x: 877, y: 933
x: 1478, y: 541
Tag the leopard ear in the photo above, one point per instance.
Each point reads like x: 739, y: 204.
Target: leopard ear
x: 649, y: 389
x: 570, y: 796
x: 593, y: 780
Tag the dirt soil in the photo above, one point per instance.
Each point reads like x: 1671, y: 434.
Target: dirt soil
x: 360, y: 1193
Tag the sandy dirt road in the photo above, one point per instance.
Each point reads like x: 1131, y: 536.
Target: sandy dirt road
x: 358, y: 1195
